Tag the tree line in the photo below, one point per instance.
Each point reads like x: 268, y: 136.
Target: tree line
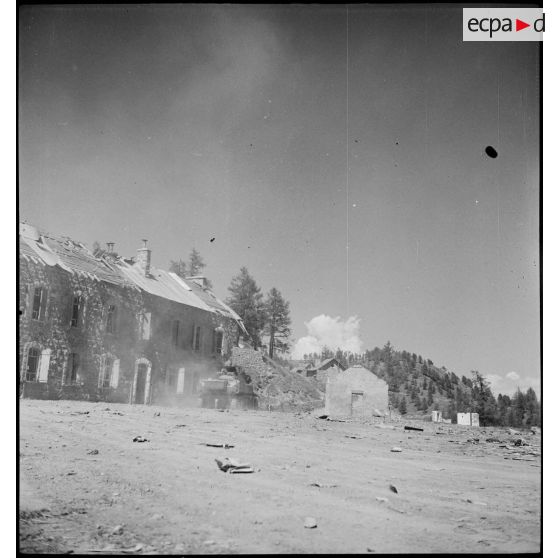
x: 415, y: 384
x: 267, y: 316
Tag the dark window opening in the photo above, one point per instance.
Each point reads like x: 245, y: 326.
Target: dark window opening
x: 76, y: 308
x: 218, y: 342
x: 37, y: 303
x: 175, y: 332
x: 197, y: 338
x: 33, y: 357
x: 111, y: 319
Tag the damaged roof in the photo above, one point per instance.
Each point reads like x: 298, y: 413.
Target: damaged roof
x: 75, y: 258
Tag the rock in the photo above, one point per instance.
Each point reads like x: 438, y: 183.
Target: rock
x: 381, y: 499
x: 93, y: 452
x: 310, y: 523
x: 393, y: 488
x: 396, y: 449
x: 118, y: 530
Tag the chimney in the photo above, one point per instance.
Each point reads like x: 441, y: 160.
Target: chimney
x: 110, y: 247
x: 143, y: 260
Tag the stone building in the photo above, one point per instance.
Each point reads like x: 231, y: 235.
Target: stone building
x: 105, y: 328
x: 356, y: 392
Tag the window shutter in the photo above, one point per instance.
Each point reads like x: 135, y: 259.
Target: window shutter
x: 44, y: 365
x: 100, y: 382
x: 180, y: 382
x: 146, y: 326
x: 115, y: 373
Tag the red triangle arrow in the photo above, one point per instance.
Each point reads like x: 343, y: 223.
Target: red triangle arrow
x: 519, y: 25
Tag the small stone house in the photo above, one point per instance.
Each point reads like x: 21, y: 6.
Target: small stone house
x: 328, y: 368
x: 468, y: 419
x: 356, y: 392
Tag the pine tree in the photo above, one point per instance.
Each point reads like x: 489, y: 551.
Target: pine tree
x: 277, y: 322
x: 194, y: 266
x: 247, y: 301
x: 403, y: 406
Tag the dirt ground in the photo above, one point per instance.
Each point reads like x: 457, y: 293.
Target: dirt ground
x: 456, y: 491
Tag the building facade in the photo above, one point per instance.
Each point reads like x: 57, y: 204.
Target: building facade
x: 108, y: 329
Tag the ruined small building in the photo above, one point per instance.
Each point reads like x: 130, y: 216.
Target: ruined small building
x: 468, y: 419
x: 328, y: 368
x: 356, y: 392
x: 436, y: 416
x: 108, y: 329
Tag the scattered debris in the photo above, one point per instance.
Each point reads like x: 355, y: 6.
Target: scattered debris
x: 93, y: 452
x: 493, y: 440
x: 71, y: 473
x: 232, y: 466
x: 310, y: 523
x: 180, y: 425
x: 157, y: 414
x: 382, y: 500
x: 396, y: 449
x: 226, y: 446
x: 520, y: 442
x: 118, y: 530
x: 157, y: 516
x: 413, y: 428
x: 140, y: 439
x: 354, y: 437
x: 393, y: 488
x: 319, y: 485
x: 118, y: 413
x: 469, y: 501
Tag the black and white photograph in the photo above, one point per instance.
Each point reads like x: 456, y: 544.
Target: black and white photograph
x: 279, y: 282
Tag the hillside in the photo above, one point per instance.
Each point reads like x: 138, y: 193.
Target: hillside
x: 417, y: 387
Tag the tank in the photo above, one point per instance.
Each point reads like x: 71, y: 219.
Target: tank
x: 232, y: 389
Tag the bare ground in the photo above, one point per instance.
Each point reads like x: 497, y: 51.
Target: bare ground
x: 169, y: 496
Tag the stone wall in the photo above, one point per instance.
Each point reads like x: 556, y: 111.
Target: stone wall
x: 356, y: 392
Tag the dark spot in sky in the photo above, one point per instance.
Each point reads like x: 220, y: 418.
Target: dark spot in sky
x: 491, y: 152
x: 396, y: 143
x: 212, y: 239
x: 356, y: 141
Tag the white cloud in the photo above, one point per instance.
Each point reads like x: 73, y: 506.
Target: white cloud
x: 333, y: 333
x: 508, y: 384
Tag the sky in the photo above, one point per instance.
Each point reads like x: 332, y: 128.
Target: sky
x: 288, y: 133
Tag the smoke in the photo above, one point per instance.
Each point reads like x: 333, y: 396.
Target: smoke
x: 333, y: 333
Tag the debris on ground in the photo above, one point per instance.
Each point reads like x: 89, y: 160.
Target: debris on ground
x: 393, y: 488
x: 157, y: 414
x: 320, y: 485
x: 228, y: 465
x: 93, y: 452
x: 414, y: 428
x: 140, y: 439
x: 310, y: 523
x: 353, y: 437
x: 226, y: 446
x: 381, y: 499
x: 396, y: 449
x: 118, y: 530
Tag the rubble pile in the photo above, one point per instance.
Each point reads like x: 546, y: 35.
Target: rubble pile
x: 276, y: 387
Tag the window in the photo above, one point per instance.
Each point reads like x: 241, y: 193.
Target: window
x: 106, y: 368
x: 175, y: 332
x: 218, y: 341
x: 111, y: 319
x: 73, y: 369
x: 146, y: 326
x: 32, y: 364
x: 39, y: 298
x: 76, y: 311
x: 196, y: 342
